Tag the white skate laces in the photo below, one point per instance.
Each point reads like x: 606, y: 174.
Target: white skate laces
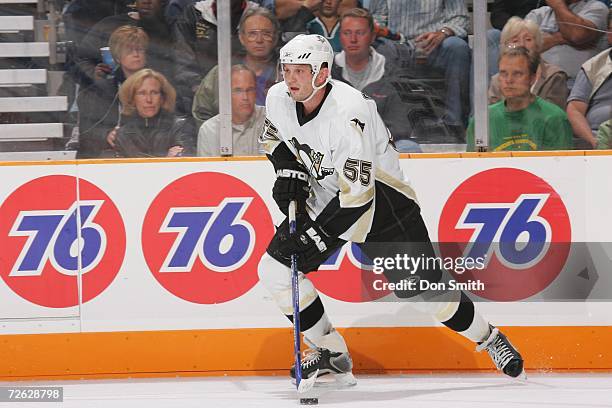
x: 497, y: 348
x: 311, y: 357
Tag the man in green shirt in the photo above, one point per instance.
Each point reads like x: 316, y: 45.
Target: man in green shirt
x: 523, y: 121
x: 604, y: 135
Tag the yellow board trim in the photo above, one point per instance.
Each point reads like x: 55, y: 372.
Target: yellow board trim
x: 463, y: 155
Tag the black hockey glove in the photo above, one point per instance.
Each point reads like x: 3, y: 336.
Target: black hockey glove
x: 308, y: 242
x: 291, y: 184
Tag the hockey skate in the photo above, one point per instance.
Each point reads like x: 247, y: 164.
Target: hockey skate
x: 320, y: 361
x: 505, y: 357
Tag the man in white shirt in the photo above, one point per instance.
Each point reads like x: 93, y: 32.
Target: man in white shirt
x: 247, y: 119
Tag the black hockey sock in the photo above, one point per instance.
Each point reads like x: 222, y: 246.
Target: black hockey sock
x: 310, y: 315
x: 463, y: 317
x: 467, y: 321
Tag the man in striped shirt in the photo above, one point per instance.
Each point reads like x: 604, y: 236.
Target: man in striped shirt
x: 436, y: 29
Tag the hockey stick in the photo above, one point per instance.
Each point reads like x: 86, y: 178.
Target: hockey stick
x: 303, y: 385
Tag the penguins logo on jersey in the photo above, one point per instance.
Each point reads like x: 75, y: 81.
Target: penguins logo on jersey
x: 270, y: 132
x: 312, y: 160
x: 359, y: 123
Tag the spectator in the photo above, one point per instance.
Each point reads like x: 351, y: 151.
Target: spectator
x: 175, y: 9
x: 326, y: 24
x: 604, y: 135
x: 368, y: 71
x: 439, y: 29
x: 196, y: 43
x: 523, y: 121
x: 551, y: 81
x: 296, y: 23
x: 99, y: 109
x: 81, y: 15
x: 149, y: 16
x: 247, y: 119
x: 285, y: 9
x: 258, y: 33
x: 502, y: 10
x: 575, y: 40
x: 150, y: 128
x: 590, y: 102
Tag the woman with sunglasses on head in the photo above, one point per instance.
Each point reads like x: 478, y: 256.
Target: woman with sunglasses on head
x: 99, y: 108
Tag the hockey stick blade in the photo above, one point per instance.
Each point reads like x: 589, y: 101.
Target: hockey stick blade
x: 307, y: 384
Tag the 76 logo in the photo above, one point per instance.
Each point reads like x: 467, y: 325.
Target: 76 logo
x: 69, y: 239
x: 218, y: 236
x: 515, y: 232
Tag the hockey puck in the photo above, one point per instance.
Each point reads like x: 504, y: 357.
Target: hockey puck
x: 309, y: 401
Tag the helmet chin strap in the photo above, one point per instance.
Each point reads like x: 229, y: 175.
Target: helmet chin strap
x: 315, y: 88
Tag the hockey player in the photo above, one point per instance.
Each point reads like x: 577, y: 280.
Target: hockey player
x: 333, y: 156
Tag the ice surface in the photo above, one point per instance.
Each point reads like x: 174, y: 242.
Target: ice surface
x: 382, y: 391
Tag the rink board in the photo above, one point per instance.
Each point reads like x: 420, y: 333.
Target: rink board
x: 134, y: 304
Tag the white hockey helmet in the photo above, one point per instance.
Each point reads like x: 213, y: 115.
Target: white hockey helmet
x: 310, y: 49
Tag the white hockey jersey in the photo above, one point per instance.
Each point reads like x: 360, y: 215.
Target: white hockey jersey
x: 347, y: 150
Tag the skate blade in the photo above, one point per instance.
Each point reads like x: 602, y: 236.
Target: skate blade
x: 346, y: 379
x: 336, y: 382
x: 522, y: 377
x: 307, y: 384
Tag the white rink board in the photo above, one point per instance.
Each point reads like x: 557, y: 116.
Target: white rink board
x: 15, y: 306
x: 135, y: 300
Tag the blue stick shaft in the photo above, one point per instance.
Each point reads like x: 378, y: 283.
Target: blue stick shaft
x: 295, y: 291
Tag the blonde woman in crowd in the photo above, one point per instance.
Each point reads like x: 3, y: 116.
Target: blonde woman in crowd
x: 150, y: 127
x: 99, y: 109
x: 551, y: 81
